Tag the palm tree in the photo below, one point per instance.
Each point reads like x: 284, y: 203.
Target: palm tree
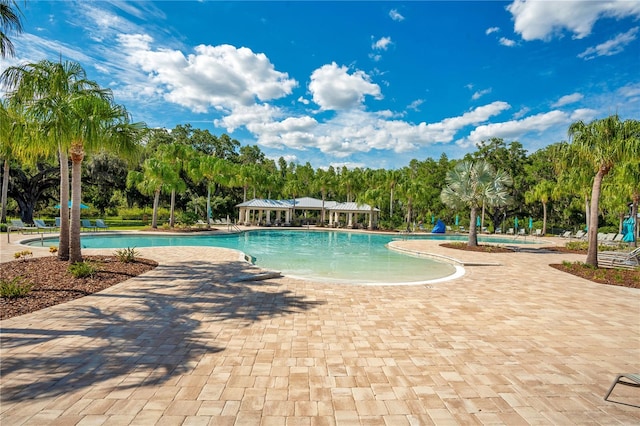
x: 155, y: 178
x: 324, y: 183
x: 603, y: 144
x: 176, y: 155
x: 73, y: 114
x: 13, y: 135
x: 46, y: 89
x: 210, y: 169
x: 9, y: 22
x: 98, y: 123
x: 372, y: 195
x: 470, y: 184
x: 541, y: 192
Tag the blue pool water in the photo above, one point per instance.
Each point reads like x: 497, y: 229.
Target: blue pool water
x: 323, y: 255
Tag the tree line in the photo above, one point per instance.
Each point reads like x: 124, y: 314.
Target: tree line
x: 65, y: 138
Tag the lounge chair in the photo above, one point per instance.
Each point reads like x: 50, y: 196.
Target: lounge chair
x: 632, y: 380
x: 18, y: 225
x: 101, y: 225
x: 619, y: 259
x: 538, y: 232
x: 580, y: 235
x: 566, y: 234
x: 43, y: 226
x: 58, y: 221
x: 86, y: 224
x: 510, y: 231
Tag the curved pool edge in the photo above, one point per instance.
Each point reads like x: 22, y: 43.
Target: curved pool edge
x: 458, y: 266
x: 435, y: 256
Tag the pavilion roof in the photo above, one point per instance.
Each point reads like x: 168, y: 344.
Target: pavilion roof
x: 353, y: 207
x: 307, y: 203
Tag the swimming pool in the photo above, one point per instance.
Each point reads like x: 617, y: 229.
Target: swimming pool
x: 332, y: 256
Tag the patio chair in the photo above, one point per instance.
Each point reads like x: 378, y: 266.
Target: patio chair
x: 510, y: 231
x: 101, y: 225
x: 538, y: 232
x: 86, y: 224
x: 632, y: 380
x: 619, y: 259
x: 566, y: 234
x: 18, y: 225
x: 580, y: 235
x: 42, y: 226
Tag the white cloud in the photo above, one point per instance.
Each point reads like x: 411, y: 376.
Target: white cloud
x: 480, y: 93
x: 610, y: 47
x: 492, y: 30
x: 333, y: 88
x: 303, y: 100
x: 568, y: 99
x: 415, y: 105
x: 213, y: 76
x: 382, y: 44
x: 584, y: 114
x: 630, y: 90
x: 395, y: 15
x: 350, y: 131
x: 445, y: 130
x: 517, y: 128
x: 248, y: 115
x: 507, y: 42
x: 522, y: 112
x: 375, y: 57
x: 542, y: 20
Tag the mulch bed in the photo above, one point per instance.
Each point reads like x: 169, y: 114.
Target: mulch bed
x: 53, y: 284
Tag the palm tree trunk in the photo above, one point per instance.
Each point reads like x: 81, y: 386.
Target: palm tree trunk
x: 391, y: 204
x: 587, y: 215
x: 208, y: 206
x: 63, y: 245
x: 156, y: 203
x: 172, y: 219
x: 5, y: 189
x: 544, y: 218
x: 473, y: 230
x: 592, y: 231
x: 75, y: 250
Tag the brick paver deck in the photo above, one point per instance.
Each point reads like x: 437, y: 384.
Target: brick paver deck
x: 518, y: 343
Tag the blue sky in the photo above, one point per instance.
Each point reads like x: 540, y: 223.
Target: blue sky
x: 366, y: 84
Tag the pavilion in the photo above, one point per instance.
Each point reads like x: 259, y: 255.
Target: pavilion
x: 269, y: 212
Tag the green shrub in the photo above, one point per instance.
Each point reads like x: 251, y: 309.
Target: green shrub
x: 188, y: 218
x: 82, y: 269
x: 14, y: 288
x: 577, y: 245
x: 126, y: 255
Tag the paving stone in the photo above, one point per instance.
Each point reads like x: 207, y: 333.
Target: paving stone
x: 516, y: 343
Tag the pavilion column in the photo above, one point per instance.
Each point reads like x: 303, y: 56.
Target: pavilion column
x: 278, y: 213
x: 350, y: 220
x: 241, y: 214
x: 260, y: 214
x: 268, y: 219
x: 287, y: 219
x: 330, y: 218
x: 247, y: 218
